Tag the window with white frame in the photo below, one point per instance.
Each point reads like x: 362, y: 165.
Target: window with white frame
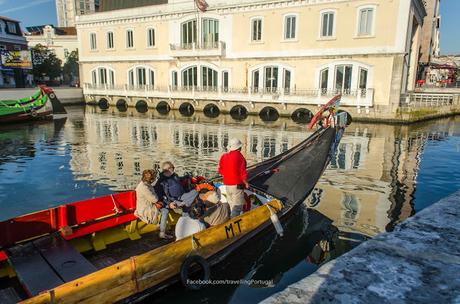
x: 141, y: 76
x: 201, y: 75
x: 287, y: 81
x: 190, y: 77
x: 362, y: 82
x: 103, y: 76
x: 345, y: 77
x: 342, y: 83
x: 150, y: 37
x: 323, y: 79
x: 256, y: 29
x: 94, y: 77
x: 188, y: 34
x: 129, y: 39
x: 255, y: 80
x: 208, y: 78
x: 327, y: 24
x: 272, y: 78
x: 366, y: 21
x: 174, y: 80
x: 210, y: 32
x: 92, y: 41
x: 225, y: 81
x: 290, y: 27
x: 110, y: 44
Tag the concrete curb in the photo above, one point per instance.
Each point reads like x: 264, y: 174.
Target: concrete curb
x: 419, y: 262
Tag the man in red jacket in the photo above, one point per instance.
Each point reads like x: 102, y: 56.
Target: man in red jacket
x: 232, y: 166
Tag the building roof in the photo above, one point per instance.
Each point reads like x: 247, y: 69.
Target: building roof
x: 111, y: 5
x: 60, y: 31
x: 9, y: 19
x: 66, y: 31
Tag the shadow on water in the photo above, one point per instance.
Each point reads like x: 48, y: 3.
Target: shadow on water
x: 267, y: 263
x: 380, y: 175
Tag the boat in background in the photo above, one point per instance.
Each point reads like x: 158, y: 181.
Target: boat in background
x: 97, y: 251
x: 41, y: 105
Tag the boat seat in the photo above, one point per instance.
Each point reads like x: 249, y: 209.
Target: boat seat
x: 34, y: 273
x: 67, y: 262
x: 86, y: 218
x: 46, y: 263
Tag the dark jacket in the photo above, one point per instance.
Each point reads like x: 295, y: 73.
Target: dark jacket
x: 169, y: 188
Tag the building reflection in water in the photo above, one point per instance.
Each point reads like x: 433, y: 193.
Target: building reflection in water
x: 367, y: 189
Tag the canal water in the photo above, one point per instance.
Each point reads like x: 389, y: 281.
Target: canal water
x: 380, y: 175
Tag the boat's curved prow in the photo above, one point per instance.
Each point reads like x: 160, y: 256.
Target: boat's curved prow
x: 291, y: 176
x: 58, y: 108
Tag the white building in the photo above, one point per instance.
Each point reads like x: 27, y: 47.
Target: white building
x: 60, y: 40
x: 66, y: 10
x: 290, y: 55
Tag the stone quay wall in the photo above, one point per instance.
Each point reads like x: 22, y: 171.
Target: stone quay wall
x: 419, y: 262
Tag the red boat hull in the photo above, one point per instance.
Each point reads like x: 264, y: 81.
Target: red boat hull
x: 84, y: 217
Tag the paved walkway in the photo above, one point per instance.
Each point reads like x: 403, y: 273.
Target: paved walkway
x: 417, y: 263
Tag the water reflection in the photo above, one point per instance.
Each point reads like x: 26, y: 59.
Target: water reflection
x: 118, y: 146
x: 18, y: 141
x: 380, y: 175
x: 368, y: 188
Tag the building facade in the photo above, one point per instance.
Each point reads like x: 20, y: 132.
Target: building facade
x: 430, y: 31
x: 60, y: 40
x: 66, y: 10
x: 11, y: 39
x: 284, y: 54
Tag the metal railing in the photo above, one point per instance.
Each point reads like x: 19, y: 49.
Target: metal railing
x: 362, y: 97
x: 429, y: 100
x: 209, y: 45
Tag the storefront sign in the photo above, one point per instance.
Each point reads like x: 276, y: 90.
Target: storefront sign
x: 16, y: 59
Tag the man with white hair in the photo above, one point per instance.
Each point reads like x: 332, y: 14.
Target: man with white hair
x: 232, y: 166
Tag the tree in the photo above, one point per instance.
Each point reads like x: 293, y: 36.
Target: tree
x: 70, y: 69
x: 45, y: 63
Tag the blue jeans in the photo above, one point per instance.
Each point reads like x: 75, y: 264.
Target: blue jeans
x: 163, y: 218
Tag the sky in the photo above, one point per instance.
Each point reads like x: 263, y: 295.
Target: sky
x: 38, y: 12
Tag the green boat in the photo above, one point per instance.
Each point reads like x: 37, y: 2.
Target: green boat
x: 42, y: 104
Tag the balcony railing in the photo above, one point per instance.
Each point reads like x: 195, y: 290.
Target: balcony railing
x: 211, y: 48
x: 361, y: 97
x: 195, y: 46
x: 429, y: 100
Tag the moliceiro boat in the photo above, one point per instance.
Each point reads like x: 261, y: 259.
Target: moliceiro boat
x: 97, y: 251
x: 41, y: 104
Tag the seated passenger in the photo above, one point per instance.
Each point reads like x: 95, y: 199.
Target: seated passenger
x: 216, y: 212
x: 189, y: 223
x: 148, y: 206
x: 168, y: 186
